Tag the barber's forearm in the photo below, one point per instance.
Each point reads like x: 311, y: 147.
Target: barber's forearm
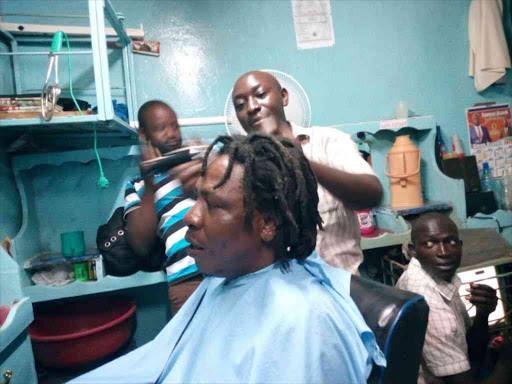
x: 142, y: 225
x: 356, y: 191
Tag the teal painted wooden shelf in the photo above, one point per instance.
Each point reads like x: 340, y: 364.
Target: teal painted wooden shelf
x: 62, y: 128
x: 19, y: 317
x: 385, y: 240
x: 38, y: 293
x: 65, y: 125
x: 417, y: 122
x: 393, y: 228
x: 500, y: 220
x: 58, y: 194
x: 378, y: 137
x: 15, y: 350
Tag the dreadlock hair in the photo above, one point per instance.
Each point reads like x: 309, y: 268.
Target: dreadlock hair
x: 141, y: 115
x: 279, y: 183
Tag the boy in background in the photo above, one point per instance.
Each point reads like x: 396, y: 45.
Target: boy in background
x: 454, y: 345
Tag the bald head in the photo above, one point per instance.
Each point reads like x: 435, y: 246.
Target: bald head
x: 260, y: 75
x: 436, y: 245
x: 145, y: 110
x: 158, y: 124
x: 259, y: 102
x: 423, y: 222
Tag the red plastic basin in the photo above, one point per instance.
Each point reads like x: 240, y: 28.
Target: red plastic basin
x: 4, y: 312
x: 81, y: 331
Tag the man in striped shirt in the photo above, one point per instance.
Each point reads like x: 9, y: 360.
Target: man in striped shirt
x: 155, y: 204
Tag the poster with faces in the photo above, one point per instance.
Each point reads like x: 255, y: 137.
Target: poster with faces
x: 490, y: 136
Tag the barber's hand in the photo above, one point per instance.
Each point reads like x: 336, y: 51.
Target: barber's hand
x: 188, y: 173
x: 483, y: 298
x: 148, y: 152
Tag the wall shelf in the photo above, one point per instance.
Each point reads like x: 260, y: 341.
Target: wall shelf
x: 435, y: 184
x: 417, y: 122
x: 447, y: 193
x: 15, y: 347
x: 59, y: 194
x: 500, y: 220
x: 66, y: 125
x: 38, y: 293
x: 18, y: 319
x: 75, y: 127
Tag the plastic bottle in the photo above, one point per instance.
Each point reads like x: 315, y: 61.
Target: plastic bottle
x: 457, y: 146
x: 366, y: 224
x: 486, y: 179
x: 507, y: 190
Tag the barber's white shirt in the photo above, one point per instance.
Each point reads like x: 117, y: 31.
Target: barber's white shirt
x: 339, y: 242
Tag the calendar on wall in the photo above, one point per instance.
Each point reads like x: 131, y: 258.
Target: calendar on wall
x: 490, y: 136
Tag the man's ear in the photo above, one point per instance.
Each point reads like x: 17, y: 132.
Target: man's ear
x: 268, y: 233
x: 412, y: 250
x: 142, y: 135
x: 268, y: 228
x: 284, y: 95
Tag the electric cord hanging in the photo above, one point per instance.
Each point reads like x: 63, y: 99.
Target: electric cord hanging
x: 102, y: 181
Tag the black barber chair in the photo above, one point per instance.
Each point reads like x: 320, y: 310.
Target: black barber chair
x: 399, y: 320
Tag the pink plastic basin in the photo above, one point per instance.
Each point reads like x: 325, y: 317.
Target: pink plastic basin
x: 81, y: 331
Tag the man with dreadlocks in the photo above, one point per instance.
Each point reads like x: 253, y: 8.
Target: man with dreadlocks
x: 346, y: 182
x: 269, y: 311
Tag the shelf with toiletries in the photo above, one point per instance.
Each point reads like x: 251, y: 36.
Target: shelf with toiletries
x: 439, y: 191
x: 111, y: 75
x: 392, y: 227
x: 59, y: 193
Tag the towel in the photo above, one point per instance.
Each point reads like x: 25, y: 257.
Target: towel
x: 488, y: 52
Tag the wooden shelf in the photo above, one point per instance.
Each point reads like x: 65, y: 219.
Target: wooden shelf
x: 500, y: 220
x: 37, y: 115
x: 18, y: 319
x: 417, y: 122
x: 393, y: 228
x: 66, y: 124
x: 385, y: 239
x: 40, y: 293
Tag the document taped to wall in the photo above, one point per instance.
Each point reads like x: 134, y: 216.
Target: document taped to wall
x: 313, y: 23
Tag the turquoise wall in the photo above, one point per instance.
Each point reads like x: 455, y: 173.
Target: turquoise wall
x: 10, y: 205
x: 386, y: 50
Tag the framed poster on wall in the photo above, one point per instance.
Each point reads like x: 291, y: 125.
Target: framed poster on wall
x: 490, y: 136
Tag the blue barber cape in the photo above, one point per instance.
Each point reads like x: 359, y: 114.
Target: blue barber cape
x: 271, y: 326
